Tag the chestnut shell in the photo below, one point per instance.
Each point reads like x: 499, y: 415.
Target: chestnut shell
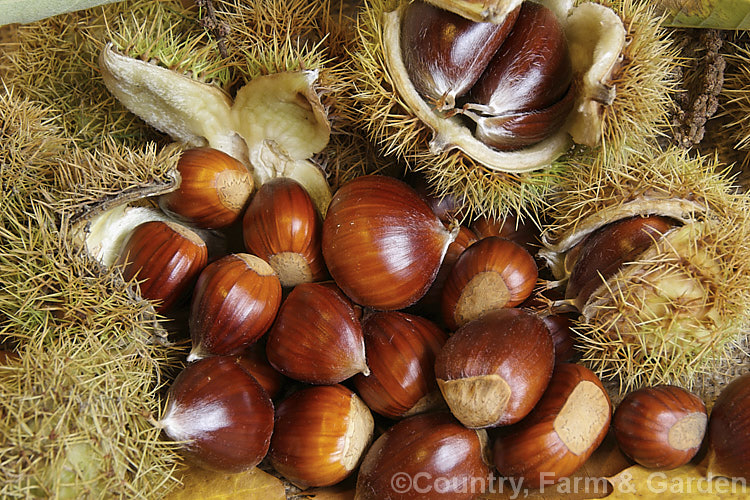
x: 382, y: 243
x: 222, y: 413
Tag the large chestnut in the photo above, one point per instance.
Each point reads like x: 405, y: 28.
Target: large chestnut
x: 320, y: 435
x: 729, y: 431
x: 660, y: 427
x: 234, y: 303
x: 490, y: 274
x: 282, y: 226
x: 425, y: 457
x: 401, y: 350
x: 213, y: 189
x: 220, y: 414
x: 446, y: 53
x: 604, y: 252
x: 382, y: 243
x: 166, y: 258
x: 254, y: 361
x: 317, y: 337
x: 562, y: 431
x: 494, y: 369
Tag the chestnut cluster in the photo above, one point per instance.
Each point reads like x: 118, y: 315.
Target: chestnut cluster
x: 511, y: 80
x: 384, y: 313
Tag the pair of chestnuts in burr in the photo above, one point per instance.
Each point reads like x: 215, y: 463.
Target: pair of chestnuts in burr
x: 511, y: 81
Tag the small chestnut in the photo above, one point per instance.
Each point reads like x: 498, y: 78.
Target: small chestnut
x: 213, y: 191
x: 382, y: 243
x: 430, y: 304
x: 494, y: 369
x: 220, y: 414
x: 166, y: 258
x: 234, y: 303
x: 317, y: 336
x: 253, y: 360
x: 490, y: 274
x: 282, y: 226
x: 729, y: 431
x: 431, y: 446
x: 320, y: 435
x: 660, y: 427
x: 401, y: 350
x: 568, y: 423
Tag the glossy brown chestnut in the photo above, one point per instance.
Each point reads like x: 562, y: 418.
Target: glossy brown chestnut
x: 317, y: 337
x: 425, y: 457
x: 562, y: 431
x: 510, y: 227
x: 282, y: 226
x: 660, y: 427
x: 494, y: 369
x: 444, y: 53
x: 729, y: 431
x: 559, y: 326
x: 253, y: 360
x: 382, y: 243
x: 222, y: 414
x: 166, y: 258
x: 401, y: 350
x: 430, y: 304
x: 605, y: 251
x: 320, y: 435
x: 234, y: 303
x: 525, y: 93
x: 214, y: 189
x: 490, y: 274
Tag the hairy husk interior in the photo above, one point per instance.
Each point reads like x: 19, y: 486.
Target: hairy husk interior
x: 679, y: 312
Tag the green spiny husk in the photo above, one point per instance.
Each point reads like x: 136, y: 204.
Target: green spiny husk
x: 680, y: 310
x: 89, y: 368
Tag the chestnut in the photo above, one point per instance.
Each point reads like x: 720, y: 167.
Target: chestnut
x: 401, y: 350
x: 282, y: 226
x: 317, y: 336
x: 254, y: 361
x: 320, y: 435
x: 490, y: 274
x: 382, y: 243
x: 166, y: 258
x: 430, y: 304
x: 234, y: 303
x: 568, y: 423
x: 494, y: 369
x: 214, y: 189
x: 604, y: 252
x: 219, y: 414
x: 660, y: 427
x: 510, y: 227
x: 444, y: 53
x: 559, y: 326
x: 525, y: 93
x: 404, y: 461
x: 729, y: 431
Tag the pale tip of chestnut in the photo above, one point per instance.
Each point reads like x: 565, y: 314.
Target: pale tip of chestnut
x: 463, y: 395
x: 582, y: 418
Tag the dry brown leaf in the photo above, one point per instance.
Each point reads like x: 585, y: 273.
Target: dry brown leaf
x: 688, y: 481
x: 201, y: 484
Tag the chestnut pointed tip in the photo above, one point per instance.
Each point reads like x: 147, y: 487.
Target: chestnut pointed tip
x: 196, y: 354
